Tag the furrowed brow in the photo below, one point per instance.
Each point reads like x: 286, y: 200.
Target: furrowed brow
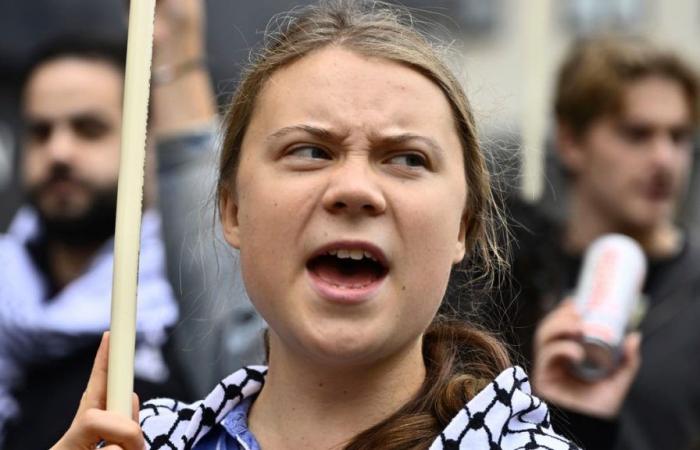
x: 404, y: 138
x: 320, y: 133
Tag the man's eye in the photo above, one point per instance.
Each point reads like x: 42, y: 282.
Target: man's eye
x: 89, y: 127
x: 310, y: 152
x: 681, y: 136
x: 636, y: 134
x: 38, y: 132
x: 408, y: 159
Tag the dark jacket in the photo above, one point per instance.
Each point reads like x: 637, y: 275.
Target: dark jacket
x: 662, y: 409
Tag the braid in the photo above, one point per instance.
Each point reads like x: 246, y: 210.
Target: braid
x: 460, y: 361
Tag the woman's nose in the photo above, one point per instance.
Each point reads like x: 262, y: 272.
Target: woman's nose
x: 354, y: 189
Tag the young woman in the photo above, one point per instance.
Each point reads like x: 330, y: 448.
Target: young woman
x: 351, y: 181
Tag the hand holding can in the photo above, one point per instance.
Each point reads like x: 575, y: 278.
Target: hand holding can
x: 607, y: 294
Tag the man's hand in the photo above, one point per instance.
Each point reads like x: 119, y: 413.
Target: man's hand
x: 179, y: 32
x: 183, y: 99
x: 557, y: 348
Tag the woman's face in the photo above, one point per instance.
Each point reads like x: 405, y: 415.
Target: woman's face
x: 349, y: 206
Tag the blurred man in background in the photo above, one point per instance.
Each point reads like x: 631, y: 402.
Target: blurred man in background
x: 58, y: 252
x: 626, y: 115
x: 57, y: 256
x: 54, y: 302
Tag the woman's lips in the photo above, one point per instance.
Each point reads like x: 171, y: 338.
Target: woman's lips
x: 347, y: 271
x: 348, y: 293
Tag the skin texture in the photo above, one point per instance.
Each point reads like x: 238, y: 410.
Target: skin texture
x: 630, y: 171
x: 79, y: 101
x: 299, y: 189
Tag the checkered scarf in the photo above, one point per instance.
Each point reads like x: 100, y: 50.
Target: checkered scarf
x: 504, y: 415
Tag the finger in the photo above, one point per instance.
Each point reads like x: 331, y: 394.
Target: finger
x: 631, y: 354
x: 135, y: 407
x: 96, y: 391
x: 114, y: 428
x: 562, y: 353
x: 564, y: 322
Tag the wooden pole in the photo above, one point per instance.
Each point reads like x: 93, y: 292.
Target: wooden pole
x: 534, y: 116
x: 120, y: 379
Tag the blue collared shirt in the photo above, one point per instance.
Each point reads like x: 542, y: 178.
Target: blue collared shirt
x: 232, y: 433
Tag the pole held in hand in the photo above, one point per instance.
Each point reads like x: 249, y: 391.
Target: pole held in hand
x: 120, y: 379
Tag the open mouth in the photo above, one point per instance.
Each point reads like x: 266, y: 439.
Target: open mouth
x: 348, y: 268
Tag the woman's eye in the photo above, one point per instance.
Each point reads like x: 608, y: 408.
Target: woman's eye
x: 310, y: 152
x: 408, y: 159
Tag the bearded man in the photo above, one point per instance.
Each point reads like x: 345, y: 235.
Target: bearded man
x: 57, y: 256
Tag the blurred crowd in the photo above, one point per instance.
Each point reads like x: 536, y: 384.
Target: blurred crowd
x: 625, y: 118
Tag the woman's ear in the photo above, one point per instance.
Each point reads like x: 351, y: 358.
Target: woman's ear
x: 229, y: 218
x: 461, y: 247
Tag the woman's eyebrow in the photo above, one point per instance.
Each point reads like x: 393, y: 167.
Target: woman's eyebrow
x: 403, y: 138
x: 328, y: 135
x: 318, y: 132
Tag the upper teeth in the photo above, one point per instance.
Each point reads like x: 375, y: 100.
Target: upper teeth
x: 356, y: 254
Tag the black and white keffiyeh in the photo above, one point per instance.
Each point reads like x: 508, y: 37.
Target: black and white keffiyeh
x: 169, y: 424
x: 35, y: 328
x: 504, y: 415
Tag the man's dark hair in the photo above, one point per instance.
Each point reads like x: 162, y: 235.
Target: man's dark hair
x: 592, y: 78
x: 107, y: 49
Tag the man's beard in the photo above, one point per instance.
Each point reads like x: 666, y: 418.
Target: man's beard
x: 92, y: 226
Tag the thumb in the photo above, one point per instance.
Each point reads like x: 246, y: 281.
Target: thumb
x: 95, y: 395
x: 632, y: 358
x: 135, y: 407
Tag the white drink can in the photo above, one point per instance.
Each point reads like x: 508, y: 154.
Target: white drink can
x: 607, y: 294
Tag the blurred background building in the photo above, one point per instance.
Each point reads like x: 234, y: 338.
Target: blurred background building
x: 506, y: 52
